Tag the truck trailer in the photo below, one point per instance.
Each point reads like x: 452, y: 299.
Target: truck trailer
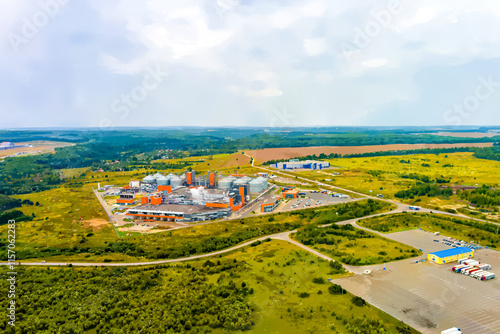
x: 454, y: 330
x: 487, y: 277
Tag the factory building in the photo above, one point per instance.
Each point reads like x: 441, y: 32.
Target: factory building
x: 191, y: 197
x: 188, y: 204
x: 296, y: 164
x: 126, y: 198
x: 291, y: 193
x: 450, y: 255
x: 271, y: 204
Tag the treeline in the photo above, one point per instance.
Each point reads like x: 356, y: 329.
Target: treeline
x: 484, y: 196
x: 429, y: 190
x: 489, y: 153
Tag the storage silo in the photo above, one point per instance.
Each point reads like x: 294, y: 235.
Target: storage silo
x: 149, y: 179
x: 256, y: 186
x: 242, y: 180
x: 157, y: 176
x: 175, y: 182
x: 225, y: 183
x: 163, y: 181
x: 264, y: 181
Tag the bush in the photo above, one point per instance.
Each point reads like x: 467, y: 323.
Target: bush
x: 358, y: 301
x: 336, y: 289
x: 304, y: 295
x: 319, y: 280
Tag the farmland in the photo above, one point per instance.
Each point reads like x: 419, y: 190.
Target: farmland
x: 271, y: 287
x: 267, y: 154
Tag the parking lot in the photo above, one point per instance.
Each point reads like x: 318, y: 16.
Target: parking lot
x: 315, y: 199
x: 428, y: 296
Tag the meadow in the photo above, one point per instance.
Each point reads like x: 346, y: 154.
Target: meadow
x: 268, y: 288
x: 353, y: 246
x: 484, y: 234
x: 59, y: 238
x: 390, y: 174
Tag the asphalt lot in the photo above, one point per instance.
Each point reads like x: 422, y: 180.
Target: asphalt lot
x: 326, y: 199
x: 428, y: 296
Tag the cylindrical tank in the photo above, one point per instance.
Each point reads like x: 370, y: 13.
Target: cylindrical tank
x: 175, y: 182
x: 225, y: 183
x: 149, y: 179
x: 163, y: 181
x: 256, y: 186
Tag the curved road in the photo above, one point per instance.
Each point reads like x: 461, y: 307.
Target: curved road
x: 285, y: 236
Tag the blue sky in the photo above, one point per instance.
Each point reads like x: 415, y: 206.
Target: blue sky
x: 67, y: 63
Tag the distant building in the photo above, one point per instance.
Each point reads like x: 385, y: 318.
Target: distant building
x: 6, y: 145
x: 307, y: 164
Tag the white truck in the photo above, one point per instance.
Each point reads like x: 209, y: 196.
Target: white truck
x: 454, y: 330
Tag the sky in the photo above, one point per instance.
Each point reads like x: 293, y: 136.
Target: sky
x: 277, y: 63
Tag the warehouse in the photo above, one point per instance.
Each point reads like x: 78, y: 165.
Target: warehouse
x: 450, y: 255
x: 178, y: 212
x: 296, y: 164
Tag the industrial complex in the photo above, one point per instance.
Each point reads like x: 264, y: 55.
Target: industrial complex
x: 189, y: 197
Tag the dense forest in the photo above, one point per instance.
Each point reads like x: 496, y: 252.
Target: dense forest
x: 120, y: 300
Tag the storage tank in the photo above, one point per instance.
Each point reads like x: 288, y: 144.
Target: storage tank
x: 149, y: 179
x: 175, y: 182
x: 163, y: 181
x: 264, y: 181
x: 242, y: 181
x: 157, y: 176
x: 225, y: 183
x: 256, y: 186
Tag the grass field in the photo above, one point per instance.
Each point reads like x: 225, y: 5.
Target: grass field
x: 482, y: 233
x: 382, y: 175
x: 350, y: 245
x: 62, y: 232
x: 278, y: 278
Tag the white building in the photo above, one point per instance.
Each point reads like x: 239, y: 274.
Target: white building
x: 307, y: 164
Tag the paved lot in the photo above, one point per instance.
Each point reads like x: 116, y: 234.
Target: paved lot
x: 428, y: 296
x: 327, y: 200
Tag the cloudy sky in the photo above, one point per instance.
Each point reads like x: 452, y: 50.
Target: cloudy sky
x: 67, y: 63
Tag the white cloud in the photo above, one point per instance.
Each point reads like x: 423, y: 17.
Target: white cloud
x: 377, y: 62
x: 314, y: 46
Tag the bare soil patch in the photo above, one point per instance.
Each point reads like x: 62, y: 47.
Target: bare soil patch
x: 96, y: 224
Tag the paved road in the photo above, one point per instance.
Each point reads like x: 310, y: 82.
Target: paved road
x: 400, y: 207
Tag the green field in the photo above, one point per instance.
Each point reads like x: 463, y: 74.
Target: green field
x: 386, y: 176
x: 172, y: 244
x: 353, y: 246
x: 484, y: 234
x: 268, y: 288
